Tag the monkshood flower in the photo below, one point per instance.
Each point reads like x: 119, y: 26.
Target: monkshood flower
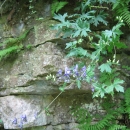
x: 67, y: 74
x: 92, y: 89
x: 21, y: 125
x: 59, y: 73
x: 35, y: 115
x: 83, y: 72
x: 67, y: 71
x: 24, y: 118
x: 14, y: 121
x: 75, y: 71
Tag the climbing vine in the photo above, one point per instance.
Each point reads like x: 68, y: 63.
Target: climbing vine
x: 80, y: 28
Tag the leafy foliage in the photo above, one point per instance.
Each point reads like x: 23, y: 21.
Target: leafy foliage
x: 12, y: 45
x: 77, y: 27
x: 108, y: 121
x: 57, y: 5
x: 105, y: 67
x: 126, y: 67
x: 8, y: 51
x: 121, y: 8
x: 127, y: 102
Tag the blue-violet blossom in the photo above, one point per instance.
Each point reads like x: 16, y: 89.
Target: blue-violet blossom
x: 24, y: 118
x: 83, y: 72
x: 14, y: 121
x: 75, y: 71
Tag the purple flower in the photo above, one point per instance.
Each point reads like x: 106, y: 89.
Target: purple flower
x: 21, y: 125
x: 92, y: 89
x: 83, y: 68
x: 67, y: 71
x: 75, y: 71
x: 83, y: 72
x: 24, y: 118
x: 14, y: 121
x: 35, y: 115
x: 67, y: 74
x: 59, y: 73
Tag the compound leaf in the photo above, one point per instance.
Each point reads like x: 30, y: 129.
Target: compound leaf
x: 105, y: 67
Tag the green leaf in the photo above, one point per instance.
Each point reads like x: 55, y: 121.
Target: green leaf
x: 60, y: 5
x: 120, y: 45
x: 117, y: 85
x: 118, y: 81
x: 99, y: 18
x: 102, y: 94
x: 84, y: 32
x: 77, y: 52
x: 105, y: 67
x: 126, y: 67
x: 76, y: 34
x: 6, y: 52
x: 57, y: 5
x: 78, y: 83
x: 60, y: 17
x: 87, y: 16
x: 116, y: 30
x: 107, y: 33
x: 119, y: 88
x: 96, y: 94
x: 109, y: 89
x: 71, y: 44
x: 62, y: 88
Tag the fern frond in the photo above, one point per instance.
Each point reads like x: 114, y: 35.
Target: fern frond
x: 99, y: 125
x: 6, y: 52
x: 57, y: 5
x: 126, y: 15
x: 121, y: 8
x: 127, y: 101
x: 117, y: 127
x: 116, y: 4
x: 127, y: 97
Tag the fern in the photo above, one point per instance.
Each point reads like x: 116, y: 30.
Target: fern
x: 12, y: 45
x: 121, y: 8
x: 8, y: 51
x: 110, y: 121
x: 126, y: 67
x: 127, y: 102
x: 117, y: 127
x: 99, y: 125
x: 57, y: 5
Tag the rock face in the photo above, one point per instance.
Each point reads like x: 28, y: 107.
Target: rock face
x: 25, y: 94
x: 33, y: 107
x: 27, y: 99
x: 25, y: 90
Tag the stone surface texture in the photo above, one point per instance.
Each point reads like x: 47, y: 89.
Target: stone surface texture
x: 24, y: 90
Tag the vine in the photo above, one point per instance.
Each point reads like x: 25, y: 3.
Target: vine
x: 78, y: 27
